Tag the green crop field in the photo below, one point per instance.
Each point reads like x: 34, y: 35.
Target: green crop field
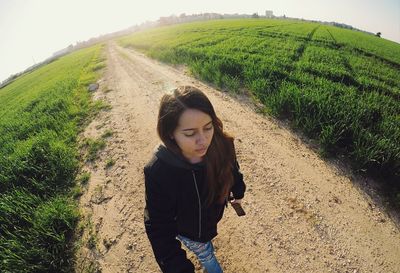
x: 40, y: 117
x: 338, y: 86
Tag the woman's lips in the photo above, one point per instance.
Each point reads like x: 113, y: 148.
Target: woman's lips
x: 201, y: 150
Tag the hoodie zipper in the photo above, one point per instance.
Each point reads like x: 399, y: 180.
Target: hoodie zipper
x: 198, y: 196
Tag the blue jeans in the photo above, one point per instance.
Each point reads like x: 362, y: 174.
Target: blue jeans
x: 204, y: 252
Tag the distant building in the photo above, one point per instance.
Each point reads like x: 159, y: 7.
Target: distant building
x: 269, y: 14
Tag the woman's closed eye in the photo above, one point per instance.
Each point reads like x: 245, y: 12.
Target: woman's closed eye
x: 207, y: 129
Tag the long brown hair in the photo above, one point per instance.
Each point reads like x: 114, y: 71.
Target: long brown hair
x: 220, y: 156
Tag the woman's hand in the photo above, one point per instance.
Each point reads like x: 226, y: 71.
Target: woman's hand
x: 236, y: 201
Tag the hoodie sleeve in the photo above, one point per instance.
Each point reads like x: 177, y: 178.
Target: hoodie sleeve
x: 239, y: 187
x: 160, y: 224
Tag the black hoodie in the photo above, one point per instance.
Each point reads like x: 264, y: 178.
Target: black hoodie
x: 175, y: 204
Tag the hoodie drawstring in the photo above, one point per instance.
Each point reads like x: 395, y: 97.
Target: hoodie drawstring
x: 198, y: 196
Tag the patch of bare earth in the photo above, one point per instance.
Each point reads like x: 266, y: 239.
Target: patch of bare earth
x: 303, y: 214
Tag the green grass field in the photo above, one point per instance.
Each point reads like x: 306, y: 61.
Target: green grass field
x: 338, y: 86
x: 41, y: 114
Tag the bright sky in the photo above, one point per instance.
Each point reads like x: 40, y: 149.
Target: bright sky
x: 32, y: 30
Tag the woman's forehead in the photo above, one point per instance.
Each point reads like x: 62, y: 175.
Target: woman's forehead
x: 192, y: 118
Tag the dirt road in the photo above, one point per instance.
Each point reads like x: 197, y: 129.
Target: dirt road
x: 303, y: 214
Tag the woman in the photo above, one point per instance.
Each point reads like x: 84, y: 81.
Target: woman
x: 188, y: 181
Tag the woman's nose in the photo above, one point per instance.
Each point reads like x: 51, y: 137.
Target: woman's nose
x: 201, y: 138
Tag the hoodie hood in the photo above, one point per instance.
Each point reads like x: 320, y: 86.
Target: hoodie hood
x: 175, y: 160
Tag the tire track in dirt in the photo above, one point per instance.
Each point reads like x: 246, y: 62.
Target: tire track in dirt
x: 303, y: 215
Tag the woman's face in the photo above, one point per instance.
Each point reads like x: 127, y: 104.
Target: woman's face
x: 194, y: 134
